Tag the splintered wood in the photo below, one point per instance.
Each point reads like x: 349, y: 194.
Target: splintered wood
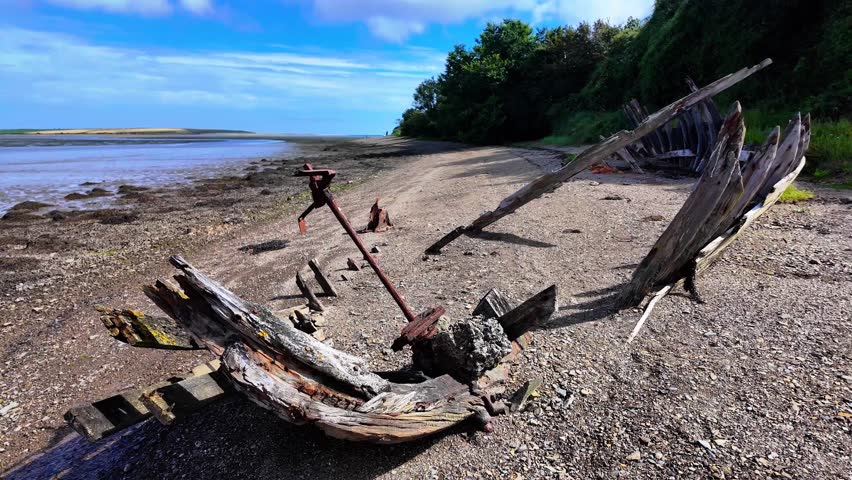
x: 727, y: 198
x: 300, y: 378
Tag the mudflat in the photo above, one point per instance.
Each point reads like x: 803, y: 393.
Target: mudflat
x: 754, y: 382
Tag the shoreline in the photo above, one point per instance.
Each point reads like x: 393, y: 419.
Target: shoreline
x: 160, y: 168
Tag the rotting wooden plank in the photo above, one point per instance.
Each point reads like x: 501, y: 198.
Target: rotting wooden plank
x: 492, y: 305
x: 755, y: 172
x: 105, y: 417
x: 173, y: 402
x: 313, y: 301
x: 711, y: 252
x: 327, y: 288
x: 145, y: 331
x: 530, y: 314
x: 550, y: 181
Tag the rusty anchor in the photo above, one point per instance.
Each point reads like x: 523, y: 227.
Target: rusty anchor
x: 420, y: 327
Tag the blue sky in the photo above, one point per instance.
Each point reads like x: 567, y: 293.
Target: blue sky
x: 291, y: 66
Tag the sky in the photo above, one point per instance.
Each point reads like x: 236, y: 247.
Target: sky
x: 285, y: 66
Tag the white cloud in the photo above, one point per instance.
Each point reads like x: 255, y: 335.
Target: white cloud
x: 55, y: 68
x: 143, y: 7
x: 198, y: 7
x: 397, y: 20
x: 392, y: 29
x: 615, y: 11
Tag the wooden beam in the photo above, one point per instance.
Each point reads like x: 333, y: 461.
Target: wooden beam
x: 121, y: 410
x: 327, y: 288
x: 550, y: 181
x: 530, y: 314
x: 177, y: 400
x: 313, y: 301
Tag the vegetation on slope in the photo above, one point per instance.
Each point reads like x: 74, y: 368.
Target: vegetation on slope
x: 567, y: 84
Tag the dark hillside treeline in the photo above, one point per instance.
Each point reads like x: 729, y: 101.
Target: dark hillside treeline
x: 518, y: 84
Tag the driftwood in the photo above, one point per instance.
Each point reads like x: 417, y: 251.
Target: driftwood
x: 304, y: 380
x: 551, y: 181
x: 726, y: 199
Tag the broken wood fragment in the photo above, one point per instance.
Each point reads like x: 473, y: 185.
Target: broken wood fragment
x: 519, y: 399
x: 145, y: 331
x: 313, y: 301
x: 327, y: 288
x: 105, y: 417
x: 121, y: 410
x: 493, y: 305
x: 530, y: 314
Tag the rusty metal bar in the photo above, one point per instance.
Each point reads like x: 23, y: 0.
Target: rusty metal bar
x: 319, y: 183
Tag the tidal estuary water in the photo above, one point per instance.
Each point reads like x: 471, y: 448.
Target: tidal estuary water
x: 46, y: 168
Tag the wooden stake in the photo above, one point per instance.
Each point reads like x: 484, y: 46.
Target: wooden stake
x: 313, y: 301
x: 327, y: 288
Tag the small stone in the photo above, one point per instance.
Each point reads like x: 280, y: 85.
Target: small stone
x: 585, y: 392
x: 594, y: 184
x: 560, y: 392
x: 645, y: 440
x: 634, y: 457
x: 38, y: 309
x: 706, y: 444
x: 8, y: 408
x: 720, y: 441
x: 375, y: 249
x: 658, y: 455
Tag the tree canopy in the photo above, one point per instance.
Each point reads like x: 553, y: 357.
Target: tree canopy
x: 519, y: 84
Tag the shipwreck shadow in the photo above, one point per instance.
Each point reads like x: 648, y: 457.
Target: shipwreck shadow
x: 230, y: 439
x: 509, y: 238
x: 603, y: 303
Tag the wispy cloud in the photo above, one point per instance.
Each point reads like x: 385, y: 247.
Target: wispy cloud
x: 397, y: 20
x: 143, y: 7
x: 47, y: 67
